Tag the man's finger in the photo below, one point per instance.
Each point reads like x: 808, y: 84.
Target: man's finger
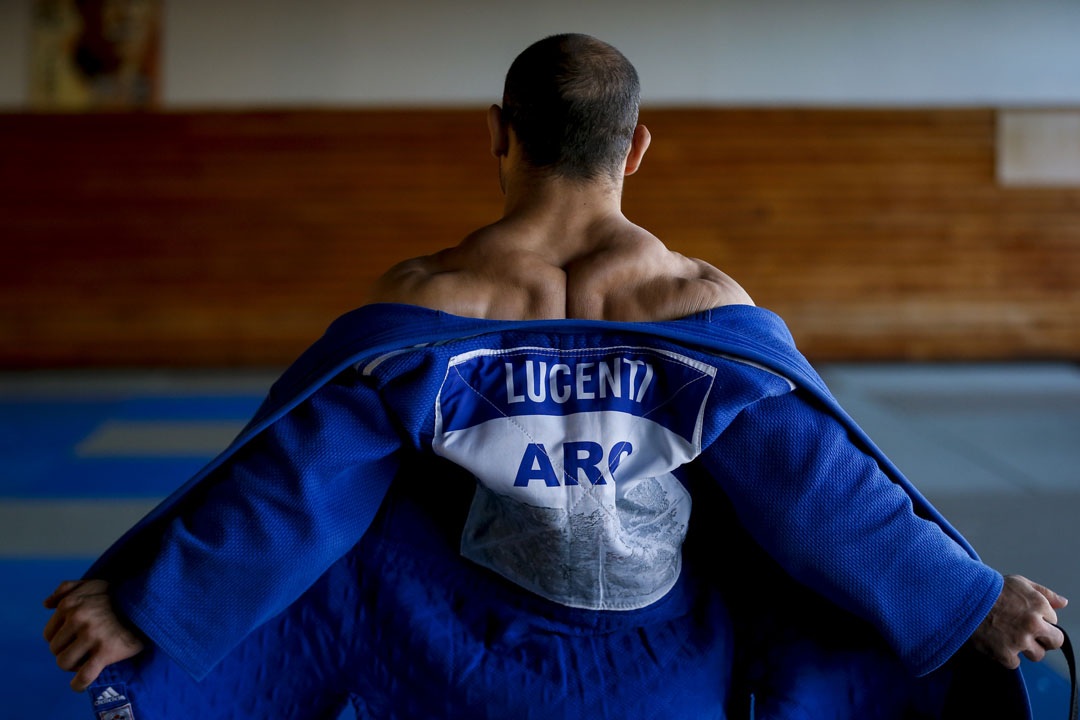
x: 1051, y: 638
x: 62, y: 638
x: 61, y: 590
x: 88, y: 672
x: 1010, y: 661
x: 54, y: 624
x: 73, y: 654
x: 1035, y: 654
x: 1056, y: 601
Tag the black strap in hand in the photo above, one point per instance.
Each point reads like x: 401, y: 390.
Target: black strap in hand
x: 1070, y: 658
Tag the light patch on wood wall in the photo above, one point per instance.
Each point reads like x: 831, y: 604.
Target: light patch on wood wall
x: 1038, y: 148
x: 95, y: 54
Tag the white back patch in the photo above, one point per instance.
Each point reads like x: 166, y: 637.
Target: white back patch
x: 573, y: 452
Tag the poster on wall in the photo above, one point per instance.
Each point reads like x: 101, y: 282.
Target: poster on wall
x: 95, y: 54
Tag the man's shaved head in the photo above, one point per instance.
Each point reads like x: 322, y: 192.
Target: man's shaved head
x: 572, y: 101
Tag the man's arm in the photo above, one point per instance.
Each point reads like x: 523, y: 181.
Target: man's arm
x: 266, y: 525
x: 832, y: 519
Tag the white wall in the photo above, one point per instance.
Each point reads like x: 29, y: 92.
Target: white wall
x: 14, y: 52
x: 762, y: 52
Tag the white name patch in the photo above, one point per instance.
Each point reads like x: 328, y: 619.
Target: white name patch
x: 573, y: 452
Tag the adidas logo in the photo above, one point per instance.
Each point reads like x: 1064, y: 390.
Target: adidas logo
x: 108, y: 696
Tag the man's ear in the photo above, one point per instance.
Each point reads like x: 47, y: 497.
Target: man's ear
x: 638, y: 146
x: 500, y: 139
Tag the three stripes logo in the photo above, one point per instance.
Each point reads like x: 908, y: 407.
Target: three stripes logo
x: 110, y: 695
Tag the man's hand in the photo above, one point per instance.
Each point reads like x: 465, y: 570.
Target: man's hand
x: 1020, y: 622
x: 86, y: 633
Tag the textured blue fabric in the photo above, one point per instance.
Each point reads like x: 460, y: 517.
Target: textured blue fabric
x: 266, y: 526
x: 401, y: 629
x: 392, y: 617
x: 836, y: 523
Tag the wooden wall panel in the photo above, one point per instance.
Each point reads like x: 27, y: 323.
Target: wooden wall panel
x: 234, y: 238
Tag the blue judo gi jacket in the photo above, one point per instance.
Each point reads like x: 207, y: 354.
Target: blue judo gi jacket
x: 440, y: 516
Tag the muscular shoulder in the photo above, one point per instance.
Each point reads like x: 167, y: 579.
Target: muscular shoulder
x: 628, y: 276
x: 405, y: 281
x: 471, y: 284
x: 641, y: 280
x: 716, y: 286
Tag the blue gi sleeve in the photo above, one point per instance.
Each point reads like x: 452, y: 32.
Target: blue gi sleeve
x: 272, y: 519
x: 826, y: 512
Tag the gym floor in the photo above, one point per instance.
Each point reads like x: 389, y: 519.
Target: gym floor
x: 995, y: 447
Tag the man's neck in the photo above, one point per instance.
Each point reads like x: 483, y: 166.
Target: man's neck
x: 561, y: 219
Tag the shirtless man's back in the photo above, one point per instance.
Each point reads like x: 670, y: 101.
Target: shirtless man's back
x: 511, y: 271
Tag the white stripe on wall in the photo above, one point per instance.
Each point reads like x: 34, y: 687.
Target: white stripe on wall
x: 171, y: 439
x: 65, y: 528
